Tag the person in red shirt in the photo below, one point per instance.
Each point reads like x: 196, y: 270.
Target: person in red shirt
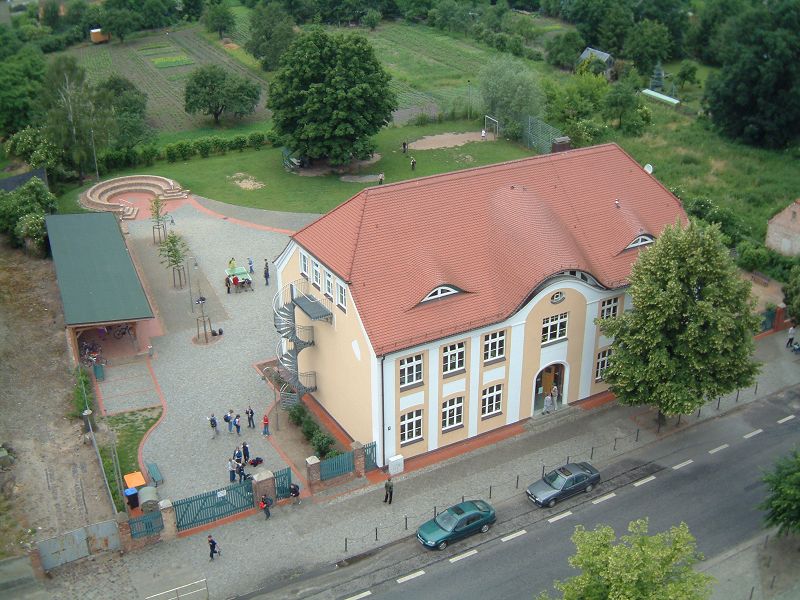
x: 266, y: 425
x: 236, y: 282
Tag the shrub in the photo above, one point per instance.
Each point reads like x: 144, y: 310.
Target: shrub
x: 203, y: 147
x: 309, y: 428
x: 31, y: 227
x: 82, y: 384
x: 298, y: 414
x: 148, y: 155
x: 220, y: 145
x: 515, y: 45
x: 501, y: 41
x: 322, y: 443
x: 238, y: 143
x: 171, y: 153
x: 752, y: 257
x: 371, y: 19
x: 256, y: 140
x: 273, y: 138
x: 185, y: 150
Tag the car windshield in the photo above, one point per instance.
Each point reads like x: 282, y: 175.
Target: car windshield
x: 555, y: 479
x: 447, y: 520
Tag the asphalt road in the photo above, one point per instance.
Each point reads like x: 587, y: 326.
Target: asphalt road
x: 708, y: 476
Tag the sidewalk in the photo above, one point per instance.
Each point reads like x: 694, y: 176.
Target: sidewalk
x: 311, y: 536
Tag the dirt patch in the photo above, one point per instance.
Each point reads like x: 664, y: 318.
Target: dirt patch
x: 245, y: 181
x: 447, y: 140
x: 465, y: 158
x: 231, y: 46
x: 324, y: 168
x: 57, y: 485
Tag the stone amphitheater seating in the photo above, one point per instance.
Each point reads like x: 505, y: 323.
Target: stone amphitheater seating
x: 100, y: 196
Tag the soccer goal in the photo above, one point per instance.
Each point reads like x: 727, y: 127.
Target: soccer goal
x: 491, y: 126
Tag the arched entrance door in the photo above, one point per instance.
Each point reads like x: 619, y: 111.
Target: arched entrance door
x: 551, y: 375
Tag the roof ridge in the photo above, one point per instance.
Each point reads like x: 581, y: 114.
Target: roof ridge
x: 365, y: 191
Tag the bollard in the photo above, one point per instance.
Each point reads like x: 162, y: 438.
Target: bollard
x: 755, y: 392
x: 737, y: 395
x: 406, y: 516
x: 517, y: 487
x: 752, y: 590
x: 720, y: 399
x: 615, y: 443
x: 591, y: 454
x: 637, y: 434
x: 462, y: 498
x: 659, y: 426
x: 345, y: 544
x: 766, y: 541
x: 434, y: 512
x: 568, y: 457
x: 542, y: 470
x: 772, y: 583
x: 376, y: 534
x: 679, y: 419
x: 490, y: 492
x: 698, y: 412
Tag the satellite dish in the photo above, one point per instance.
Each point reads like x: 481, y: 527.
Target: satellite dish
x: 648, y: 168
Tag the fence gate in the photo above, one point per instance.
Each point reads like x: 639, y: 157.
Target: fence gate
x: 146, y: 525
x: 102, y: 536
x: 211, y: 506
x: 282, y: 480
x: 370, y: 460
x: 338, y: 465
x: 64, y: 548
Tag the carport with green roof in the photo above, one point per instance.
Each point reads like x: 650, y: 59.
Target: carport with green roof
x: 99, y: 284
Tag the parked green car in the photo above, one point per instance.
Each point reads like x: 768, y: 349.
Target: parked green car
x: 456, y: 522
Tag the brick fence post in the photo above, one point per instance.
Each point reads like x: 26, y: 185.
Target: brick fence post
x: 170, y: 531
x: 36, y: 563
x: 359, y: 458
x: 124, y: 528
x: 313, y: 474
x: 264, y: 483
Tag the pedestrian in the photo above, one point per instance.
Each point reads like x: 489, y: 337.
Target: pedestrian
x: 294, y: 492
x: 245, y: 452
x: 554, y: 394
x: 228, y: 418
x: 213, y: 547
x: 483, y: 135
x: 232, y: 263
x: 228, y: 283
x: 237, y: 455
x: 380, y: 179
x: 548, y: 404
x: 265, y: 432
x: 389, y: 490
x: 265, y: 503
x: 250, y: 265
x: 790, y: 341
x: 250, y: 414
x: 212, y: 420
x: 405, y: 146
x: 241, y: 473
x: 237, y: 422
x: 235, y: 282
x: 231, y: 470
x: 413, y: 163
x: 266, y: 271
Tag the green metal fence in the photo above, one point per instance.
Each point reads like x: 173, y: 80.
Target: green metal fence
x: 282, y: 480
x: 212, y: 506
x: 370, y: 459
x: 338, y: 465
x: 146, y: 525
x: 539, y: 135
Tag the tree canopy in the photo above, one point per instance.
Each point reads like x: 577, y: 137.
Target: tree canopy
x: 219, y: 17
x: 563, y: 50
x: 271, y: 32
x: 509, y: 92
x: 120, y: 22
x: 330, y: 95
x: 211, y: 91
x: 637, y: 565
x: 20, y: 85
x: 689, y: 337
x: 647, y: 43
x: 783, y: 503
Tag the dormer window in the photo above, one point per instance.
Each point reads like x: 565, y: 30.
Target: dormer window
x: 642, y: 240
x: 440, y: 292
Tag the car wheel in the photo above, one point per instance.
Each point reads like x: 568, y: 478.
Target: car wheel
x: 485, y: 528
x: 442, y: 545
x: 589, y: 488
x: 552, y: 503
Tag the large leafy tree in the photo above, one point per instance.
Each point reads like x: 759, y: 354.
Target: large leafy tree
x: 703, y: 37
x: 271, y: 33
x: 689, y: 337
x: 614, y: 28
x: 121, y: 22
x: 637, y: 565
x: 509, y: 93
x: 219, y: 18
x: 783, y: 503
x: 211, y: 91
x: 754, y: 97
x: 622, y: 104
x: 21, y: 80
x: 330, y: 95
x: 673, y: 14
x: 31, y: 198
x: 128, y: 106
x: 563, y: 50
x: 648, y: 43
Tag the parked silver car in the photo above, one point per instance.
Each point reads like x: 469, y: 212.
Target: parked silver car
x: 562, y: 483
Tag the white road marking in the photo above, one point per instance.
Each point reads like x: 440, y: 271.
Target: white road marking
x: 718, y: 448
x: 411, y: 576
x: 683, y: 464
x: 465, y: 555
x: 603, y: 498
x: 784, y: 419
x: 643, y: 481
x: 752, y: 433
x: 511, y: 536
x: 359, y: 596
x: 559, y: 517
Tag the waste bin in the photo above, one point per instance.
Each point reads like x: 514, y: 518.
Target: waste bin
x: 99, y: 371
x: 132, y: 496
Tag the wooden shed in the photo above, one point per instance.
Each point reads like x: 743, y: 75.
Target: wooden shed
x: 98, y: 37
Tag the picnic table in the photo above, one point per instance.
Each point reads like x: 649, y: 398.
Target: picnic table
x: 245, y: 279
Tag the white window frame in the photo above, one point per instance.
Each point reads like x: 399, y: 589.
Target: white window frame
x: 453, y: 358
x: 492, y: 400
x: 411, y: 371
x: 641, y: 240
x: 328, y: 284
x: 341, y: 295
x: 439, y: 292
x: 554, y: 327
x: 411, y: 426
x: 316, y: 276
x: 609, y: 307
x: 602, y: 364
x: 304, y: 264
x: 494, y: 345
x: 452, y: 413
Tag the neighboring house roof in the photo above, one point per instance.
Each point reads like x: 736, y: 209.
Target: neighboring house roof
x: 9, y: 184
x: 494, y: 232
x: 95, y: 273
x: 599, y: 54
x: 778, y: 215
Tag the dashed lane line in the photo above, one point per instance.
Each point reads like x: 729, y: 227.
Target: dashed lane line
x: 747, y: 436
x: 411, y: 576
x: 559, y: 517
x: 511, y: 536
x: 784, y: 419
x: 359, y: 596
x: 643, y: 481
x: 463, y: 556
x: 683, y: 464
x: 718, y: 448
x: 603, y: 498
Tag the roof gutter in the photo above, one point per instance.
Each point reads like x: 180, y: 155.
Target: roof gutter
x: 383, y: 417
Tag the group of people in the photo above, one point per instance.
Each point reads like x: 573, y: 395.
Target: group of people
x: 551, y: 401
x: 234, y: 421
x: 240, y: 458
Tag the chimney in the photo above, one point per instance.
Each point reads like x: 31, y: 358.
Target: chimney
x: 560, y: 144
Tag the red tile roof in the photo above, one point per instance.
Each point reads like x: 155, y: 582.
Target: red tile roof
x: 495, y: 232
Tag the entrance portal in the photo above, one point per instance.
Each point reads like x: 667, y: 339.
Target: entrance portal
x: 551, y: 375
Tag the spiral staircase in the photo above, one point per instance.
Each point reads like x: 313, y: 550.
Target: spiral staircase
x: 295, y: 338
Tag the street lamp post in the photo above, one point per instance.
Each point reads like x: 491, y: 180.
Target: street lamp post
x: 189, y: 279
x: 469, y: 100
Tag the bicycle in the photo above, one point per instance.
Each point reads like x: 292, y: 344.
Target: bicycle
x: 122, y: 330
x: 92, y: 358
